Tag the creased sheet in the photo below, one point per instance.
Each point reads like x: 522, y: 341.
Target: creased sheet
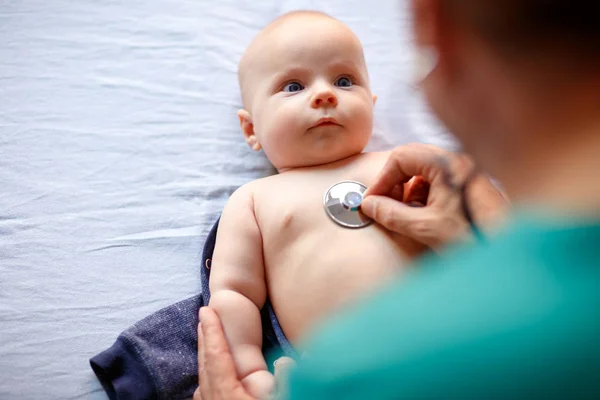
x: 119, y: 146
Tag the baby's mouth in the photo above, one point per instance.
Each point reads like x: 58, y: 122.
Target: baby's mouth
x: 325, y: 122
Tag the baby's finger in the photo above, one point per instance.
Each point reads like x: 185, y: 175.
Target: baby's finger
x: 283, y: 367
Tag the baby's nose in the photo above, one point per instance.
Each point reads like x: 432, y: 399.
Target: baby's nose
x: 324, y: 97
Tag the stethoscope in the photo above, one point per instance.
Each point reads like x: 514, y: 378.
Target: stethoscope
x: 342, y: 203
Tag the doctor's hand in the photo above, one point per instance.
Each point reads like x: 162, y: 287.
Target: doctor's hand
x: 217, y: 374
x: 411, y: 196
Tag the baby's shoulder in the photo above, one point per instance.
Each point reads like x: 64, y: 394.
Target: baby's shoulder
x: 250, y: 189
x: 262, y: 183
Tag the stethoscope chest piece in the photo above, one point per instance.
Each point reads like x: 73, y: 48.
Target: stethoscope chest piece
x: 342, y: 203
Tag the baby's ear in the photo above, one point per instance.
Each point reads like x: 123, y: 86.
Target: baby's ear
x: 248, y: 129
x: 374, y: 99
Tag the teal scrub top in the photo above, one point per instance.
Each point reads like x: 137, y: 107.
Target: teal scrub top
x: 516, y: 318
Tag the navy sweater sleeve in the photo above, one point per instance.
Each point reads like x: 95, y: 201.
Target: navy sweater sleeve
x: 155, y: 358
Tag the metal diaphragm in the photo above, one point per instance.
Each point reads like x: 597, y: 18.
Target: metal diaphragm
x: 342, y: 203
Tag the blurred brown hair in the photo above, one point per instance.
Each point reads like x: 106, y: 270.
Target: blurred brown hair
x: 554, y: 28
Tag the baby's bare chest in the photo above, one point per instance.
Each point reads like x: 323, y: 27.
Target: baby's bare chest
x: 296, y: 228
x: 294, y: 204
x: 305, y: 251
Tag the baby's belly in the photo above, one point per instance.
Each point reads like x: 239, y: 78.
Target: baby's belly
x: 324, y: 270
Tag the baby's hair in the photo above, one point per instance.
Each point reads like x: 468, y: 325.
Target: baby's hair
x: 246, y: 60
x: 298, y: 13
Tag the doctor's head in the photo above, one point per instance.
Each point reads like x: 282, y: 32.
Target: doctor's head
x: 510, y: 78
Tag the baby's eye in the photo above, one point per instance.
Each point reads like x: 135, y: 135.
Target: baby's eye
x: 344, y: 81
x: 293, y: 87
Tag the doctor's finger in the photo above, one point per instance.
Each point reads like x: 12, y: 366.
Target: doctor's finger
x: 416, y: 192
x: 215, y: 349
x: 403, y: 164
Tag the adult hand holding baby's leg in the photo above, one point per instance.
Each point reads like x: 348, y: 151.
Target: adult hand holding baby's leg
x: 266, y: 386
x: 260, y: 384
x: 217, y: 375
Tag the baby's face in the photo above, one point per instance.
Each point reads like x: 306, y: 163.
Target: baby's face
x: 308, y: 93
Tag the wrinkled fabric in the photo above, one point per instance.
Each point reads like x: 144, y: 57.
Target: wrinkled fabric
x: 119, y: 146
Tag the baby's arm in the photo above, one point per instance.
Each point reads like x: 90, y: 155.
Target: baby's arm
x: 238, y: 290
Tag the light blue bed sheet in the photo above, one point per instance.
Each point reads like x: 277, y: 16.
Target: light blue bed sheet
x: 119, y: 146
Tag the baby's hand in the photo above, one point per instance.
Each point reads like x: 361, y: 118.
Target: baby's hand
x: 260, y: 384
x: 283, y: 367
x: 264, y: 386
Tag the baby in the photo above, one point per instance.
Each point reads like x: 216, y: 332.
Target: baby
x: 308, y: 105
